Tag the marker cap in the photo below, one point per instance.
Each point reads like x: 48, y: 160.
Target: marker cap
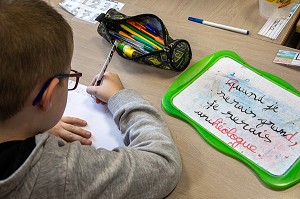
x: 195, y: 19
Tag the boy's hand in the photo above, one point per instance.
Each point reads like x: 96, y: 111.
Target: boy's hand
x: 110, y: 84
x: 69, y: 129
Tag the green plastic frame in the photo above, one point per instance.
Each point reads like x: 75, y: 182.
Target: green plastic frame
x: 289, y: 178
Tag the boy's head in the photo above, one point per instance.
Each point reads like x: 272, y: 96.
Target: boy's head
x: 36, y: 44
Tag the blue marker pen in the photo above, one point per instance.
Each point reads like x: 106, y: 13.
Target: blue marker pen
x: 230, y: 28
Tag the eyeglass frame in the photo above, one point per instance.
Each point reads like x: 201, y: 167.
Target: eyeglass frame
x: 47, y: 83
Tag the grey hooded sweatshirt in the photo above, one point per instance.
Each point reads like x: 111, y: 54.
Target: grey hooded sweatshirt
x: 149, y: 166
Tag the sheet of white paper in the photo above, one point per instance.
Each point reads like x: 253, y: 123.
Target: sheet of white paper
x: 247, y: 112
x: 89, y: 10
x: 105, y: 133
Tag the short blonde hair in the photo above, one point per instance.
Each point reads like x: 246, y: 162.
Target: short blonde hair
x: 36, y: 44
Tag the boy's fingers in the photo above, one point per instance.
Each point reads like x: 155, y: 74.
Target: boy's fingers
x: 99, y: 101
x: 91, y: 90
x: 77, y: 130
x: 85, y: 141
x: 74, y: 120
x: 71, y: 137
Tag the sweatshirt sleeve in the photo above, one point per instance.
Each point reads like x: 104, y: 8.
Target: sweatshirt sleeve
x: 149, y: 166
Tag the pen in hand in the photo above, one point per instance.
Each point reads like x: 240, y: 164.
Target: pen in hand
x: 111, y: 53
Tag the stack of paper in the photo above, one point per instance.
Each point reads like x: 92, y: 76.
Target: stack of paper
x: 89, y: 10
x: 275, y: 25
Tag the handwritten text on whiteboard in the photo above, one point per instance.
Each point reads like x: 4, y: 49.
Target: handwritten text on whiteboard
x: 249, y: 113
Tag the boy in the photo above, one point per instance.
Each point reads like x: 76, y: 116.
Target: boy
x: 33, y: 91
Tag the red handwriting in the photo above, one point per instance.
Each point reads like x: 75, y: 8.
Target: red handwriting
x: 231, y: 133
x: 232, y: 82
x: 282, y: 132
x: 289, y: 137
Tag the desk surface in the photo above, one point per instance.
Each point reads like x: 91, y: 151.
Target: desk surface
x: 207, y: 173
x: 237, y: 13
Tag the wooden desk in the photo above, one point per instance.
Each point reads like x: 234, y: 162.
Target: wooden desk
x: 207, y: 173
x: 237, y: 13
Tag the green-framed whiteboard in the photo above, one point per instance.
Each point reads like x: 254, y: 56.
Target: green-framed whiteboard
x: 246, y: 113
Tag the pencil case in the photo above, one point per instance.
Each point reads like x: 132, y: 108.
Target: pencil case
x: 144, y: 39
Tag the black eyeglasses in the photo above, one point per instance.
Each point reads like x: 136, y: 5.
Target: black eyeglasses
x: 74, y: 75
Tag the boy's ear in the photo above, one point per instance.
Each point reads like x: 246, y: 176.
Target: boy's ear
x: 46, y: 102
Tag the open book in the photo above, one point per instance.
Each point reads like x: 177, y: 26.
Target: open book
x: 105, y: 133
